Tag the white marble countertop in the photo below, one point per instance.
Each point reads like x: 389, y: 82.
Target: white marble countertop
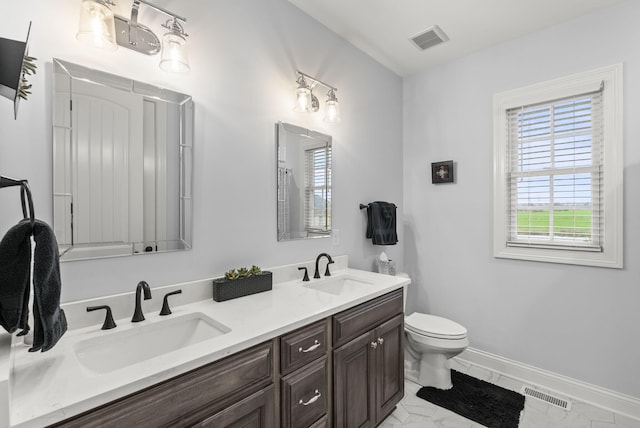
x: 49, y: 387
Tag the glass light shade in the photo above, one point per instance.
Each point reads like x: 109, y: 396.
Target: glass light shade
x: 174, y: 53
x: 303, y: 100
x: 332, y: 111
x: 97, y: 27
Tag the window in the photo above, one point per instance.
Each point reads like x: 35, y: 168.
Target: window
x: 317, y: 206
x: 558, y: 170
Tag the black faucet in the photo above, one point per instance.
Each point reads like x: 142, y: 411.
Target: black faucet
x: 165, y: 302
x: 137, y: 314
x: 109, y: 323
x: 306, y: 274
x: 326, y: 272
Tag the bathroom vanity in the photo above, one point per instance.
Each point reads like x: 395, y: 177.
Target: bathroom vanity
x: 318, y: 354
x: 364, y: 349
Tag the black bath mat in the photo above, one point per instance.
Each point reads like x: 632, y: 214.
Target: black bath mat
x: 480, y: 401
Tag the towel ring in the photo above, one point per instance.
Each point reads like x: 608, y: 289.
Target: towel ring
x: 25, y: 191
x: 25, y: 197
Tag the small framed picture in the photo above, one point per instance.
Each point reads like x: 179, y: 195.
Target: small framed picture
x: 442, y: 172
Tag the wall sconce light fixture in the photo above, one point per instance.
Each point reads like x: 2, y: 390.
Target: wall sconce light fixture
x: 307, y: 102
x: 101, y: 28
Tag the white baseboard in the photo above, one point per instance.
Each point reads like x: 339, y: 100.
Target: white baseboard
x: 616, y: 402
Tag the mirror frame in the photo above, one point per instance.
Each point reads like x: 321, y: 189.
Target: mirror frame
x: 282, y: 129
x: 64, y: 75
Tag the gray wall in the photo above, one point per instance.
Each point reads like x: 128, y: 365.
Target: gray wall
x: 243, y: 55
x: 581, y: 322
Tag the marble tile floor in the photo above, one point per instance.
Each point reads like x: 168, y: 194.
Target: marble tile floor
x: 414, y: 412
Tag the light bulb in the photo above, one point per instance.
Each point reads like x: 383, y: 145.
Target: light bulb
x: 97, y: 26
x: 303, y: 99
x: 174, y: 53
x: 331, y: 108
x: 332, y: 113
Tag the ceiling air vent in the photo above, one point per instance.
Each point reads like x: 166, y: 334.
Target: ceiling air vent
x: 429, y: 38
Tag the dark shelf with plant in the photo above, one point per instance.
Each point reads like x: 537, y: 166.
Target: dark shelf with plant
x: 241, y: 282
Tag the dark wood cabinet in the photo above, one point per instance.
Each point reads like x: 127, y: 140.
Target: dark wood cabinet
x: 368, y: 372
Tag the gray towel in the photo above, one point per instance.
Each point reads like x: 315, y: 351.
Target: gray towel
x: 49, y: 320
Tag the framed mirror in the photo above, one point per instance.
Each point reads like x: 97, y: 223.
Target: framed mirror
x: 304, y: 183
x: 122, y: 165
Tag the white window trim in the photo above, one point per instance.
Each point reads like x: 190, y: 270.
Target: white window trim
x: 612, y: 252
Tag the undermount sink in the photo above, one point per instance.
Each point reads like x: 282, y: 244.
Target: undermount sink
x: 120, y: 349
x: 338, y: 285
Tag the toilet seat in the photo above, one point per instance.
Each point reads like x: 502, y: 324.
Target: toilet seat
x: 434, y: 326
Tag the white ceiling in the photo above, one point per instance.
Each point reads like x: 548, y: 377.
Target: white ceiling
x: 382, y: 28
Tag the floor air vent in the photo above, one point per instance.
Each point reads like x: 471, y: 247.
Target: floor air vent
x: 430, y: 37
x: 558, y: 402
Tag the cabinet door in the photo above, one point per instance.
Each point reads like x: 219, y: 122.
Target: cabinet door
x: 255, y: 411
x: 389, y: 363
x: 354, y: 393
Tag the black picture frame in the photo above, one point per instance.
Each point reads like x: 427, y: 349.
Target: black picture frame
x: 442, y: 172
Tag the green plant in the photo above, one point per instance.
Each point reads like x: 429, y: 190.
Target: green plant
x: 231, y: 274
x: 28, y: 69
x: 242, y: 272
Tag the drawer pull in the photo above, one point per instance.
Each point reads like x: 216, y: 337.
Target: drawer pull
x: 312, y: 399
x: 313, y: 347
x: 380, y: 340
x: 374, y: 345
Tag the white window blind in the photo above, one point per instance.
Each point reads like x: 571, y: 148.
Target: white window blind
x: 555, y: 174
x: 317, y: 206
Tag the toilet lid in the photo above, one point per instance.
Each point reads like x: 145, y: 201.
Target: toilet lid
x: 434, y: 326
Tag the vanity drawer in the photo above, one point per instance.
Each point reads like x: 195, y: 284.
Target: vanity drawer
x: 302, y: 346
x: 304, y: 395
x: 355, y: 321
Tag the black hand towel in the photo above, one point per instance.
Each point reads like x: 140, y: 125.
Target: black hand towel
x: 15, y: 265
x: 49, y: 321
x: 381, y: 223
x: 15, y: 277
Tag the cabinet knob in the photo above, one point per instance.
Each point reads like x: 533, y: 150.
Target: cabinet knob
x: 374, y: 344
x: 313, y: 347
x: 380, y: 340
x: 311, y: 400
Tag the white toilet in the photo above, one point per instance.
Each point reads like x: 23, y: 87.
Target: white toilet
x: 430, y: 342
